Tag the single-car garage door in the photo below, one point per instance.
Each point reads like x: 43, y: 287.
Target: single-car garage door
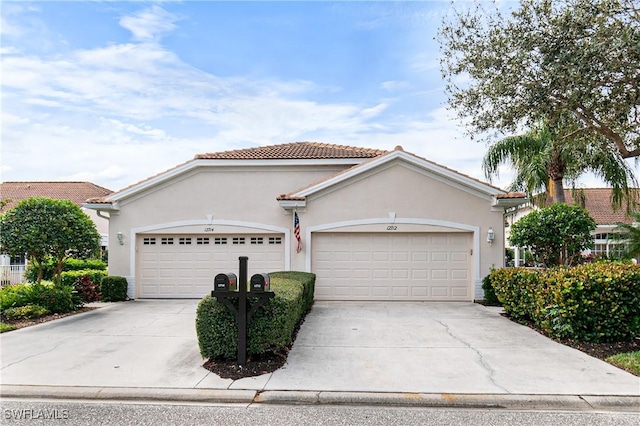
x: 385, y: 266
x: 183, y: 266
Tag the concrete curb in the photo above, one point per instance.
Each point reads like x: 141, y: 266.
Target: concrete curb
x: 223, y: 396
x: 228, y: 396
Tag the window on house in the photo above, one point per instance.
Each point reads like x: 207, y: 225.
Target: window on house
x: 149, y: 241
x: 202, y: 240
x: 275, y: 240
x: 238, y: 240
x: 184, y: 240
x: 166, y: 241
x: 257, y: 240
x: 220, y: 240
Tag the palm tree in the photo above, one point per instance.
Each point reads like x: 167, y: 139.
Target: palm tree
x: 629, y: 233
x: 542, y: 164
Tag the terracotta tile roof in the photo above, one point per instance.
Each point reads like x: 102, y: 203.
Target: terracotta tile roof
x: 597, y: 201
x: 512, y: 195
x: 77, y: 192
x: 295, y: 150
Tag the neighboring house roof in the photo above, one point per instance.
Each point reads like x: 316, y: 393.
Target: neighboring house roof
x: 597, y: 201
x: 77, y: 192
x: 294, y: 151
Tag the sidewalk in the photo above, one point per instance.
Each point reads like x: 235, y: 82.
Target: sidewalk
x: 414, y: 354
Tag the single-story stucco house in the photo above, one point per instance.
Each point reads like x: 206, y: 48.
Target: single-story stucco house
x: 374, y: 224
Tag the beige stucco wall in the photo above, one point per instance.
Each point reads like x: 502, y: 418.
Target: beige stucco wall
x: 229, y: 194
x: 248, y: 195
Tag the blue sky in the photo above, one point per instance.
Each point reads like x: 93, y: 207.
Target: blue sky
x: 114, y: 92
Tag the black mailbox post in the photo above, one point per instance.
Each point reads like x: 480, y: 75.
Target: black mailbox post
x: 260, y: 283
x: 224, y: 292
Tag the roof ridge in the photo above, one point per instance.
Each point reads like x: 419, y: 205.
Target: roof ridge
x: 294, y: 150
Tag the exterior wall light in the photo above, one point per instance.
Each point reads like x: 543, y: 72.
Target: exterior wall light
x: 120, y: 238
x: 491, y: 236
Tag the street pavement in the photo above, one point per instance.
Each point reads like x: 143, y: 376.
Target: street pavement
x: 421, y: 354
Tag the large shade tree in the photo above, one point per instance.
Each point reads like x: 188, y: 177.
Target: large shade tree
x: 542, y: 163
x: 44, y: 228
x: 547, y: 58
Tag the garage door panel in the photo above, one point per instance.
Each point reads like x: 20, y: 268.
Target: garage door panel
x: 459, y: 292
x: 419, y: 274
x: 439, y: 256
x: 362, y: 273
x: 380, y: 256
x: 459, y: 256
x: 184, y: 266
x: 459, y: 274
x: 381, y: 274
x: 420, y: 266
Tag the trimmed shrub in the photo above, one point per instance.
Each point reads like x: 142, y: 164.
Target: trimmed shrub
x: 57, y: 299
x: 307, y: 280
x: 87, y: 289
x: 48, y: 268
x: 597, y: 302
x: 71, y: 277
x: 515, y: 289
x: 272, y: 325
x: 25, y: 312
x: 490, y: 297
x: 113, y: 288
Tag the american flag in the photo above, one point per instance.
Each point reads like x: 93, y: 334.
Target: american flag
x: 296, y: 231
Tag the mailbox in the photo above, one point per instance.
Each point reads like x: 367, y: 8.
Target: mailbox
x: 225, y: 282
x: 260, y: 283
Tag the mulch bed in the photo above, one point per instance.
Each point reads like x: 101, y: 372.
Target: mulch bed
x: 255, y: 366
x: 21, y: 323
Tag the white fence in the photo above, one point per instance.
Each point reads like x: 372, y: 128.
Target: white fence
x: 11, y: 274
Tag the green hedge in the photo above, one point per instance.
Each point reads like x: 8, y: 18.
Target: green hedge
x: 272, y: 326
x: 48, y: 268
x: 307, y: 280
x: 597, y: 302
x: 113, y: 288
x: 70, y: 277
x: 515, y: 289
x: 490, y: 297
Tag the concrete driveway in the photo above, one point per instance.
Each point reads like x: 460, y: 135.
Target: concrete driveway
x: 342, y: 346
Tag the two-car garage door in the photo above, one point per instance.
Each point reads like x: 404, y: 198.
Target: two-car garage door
x: 392, y: 266
x: 183, y: 266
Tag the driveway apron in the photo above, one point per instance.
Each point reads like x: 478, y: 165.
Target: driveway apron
x: 341, y: 346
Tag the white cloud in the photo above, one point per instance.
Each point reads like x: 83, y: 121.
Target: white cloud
x: 149, y: 24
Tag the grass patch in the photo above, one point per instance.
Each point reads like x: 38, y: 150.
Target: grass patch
x: 6, y: 327
x: 628, y: 361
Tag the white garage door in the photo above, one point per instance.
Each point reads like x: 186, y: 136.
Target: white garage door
x: 183, y: 266
x: 376, y: 266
